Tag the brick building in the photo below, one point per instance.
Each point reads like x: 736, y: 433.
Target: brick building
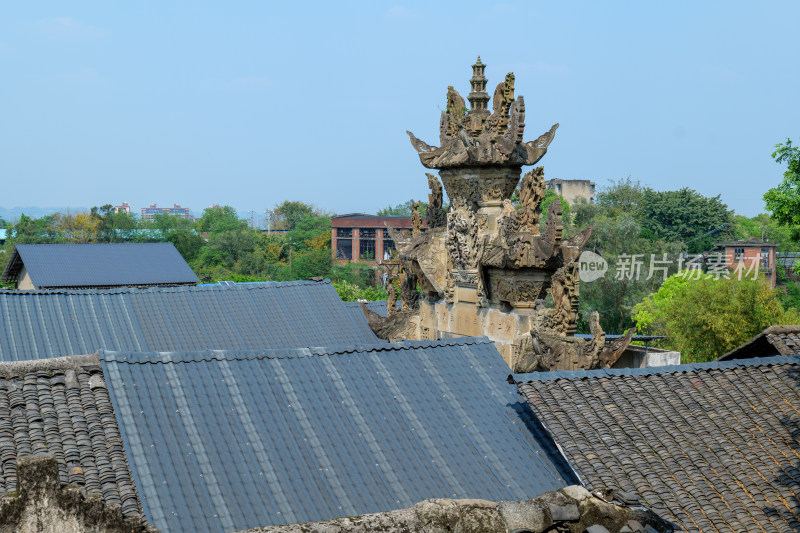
x: 360, y: 237
x: 753, y: 255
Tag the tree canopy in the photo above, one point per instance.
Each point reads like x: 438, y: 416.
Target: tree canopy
x: 784, y: 200
x: 704, y: 318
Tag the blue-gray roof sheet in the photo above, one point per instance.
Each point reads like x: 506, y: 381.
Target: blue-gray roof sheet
x: 104, y: 264
x: 231, y: 440
x: 42, y: 324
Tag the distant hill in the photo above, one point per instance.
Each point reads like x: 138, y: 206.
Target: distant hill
x: 11, y: 214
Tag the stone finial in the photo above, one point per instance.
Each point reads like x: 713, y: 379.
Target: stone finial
x: 478, y: 97
x: 477, y: 138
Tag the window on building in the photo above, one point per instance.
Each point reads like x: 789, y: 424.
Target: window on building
x: 344, y: 248
x: 344, y: 233
x: 388, y: 246
x: 738, y: 255
x: 765, y: 257
x: 366, y: 248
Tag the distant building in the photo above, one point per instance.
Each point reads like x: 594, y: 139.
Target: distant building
x: 571, y: 190
x: 96, y: 266
x: 753, y: 256
x: 124, y: 208
x: 360, y: 237
x: 149, y: 213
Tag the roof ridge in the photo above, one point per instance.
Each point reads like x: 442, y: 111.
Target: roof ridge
x: 69, y: 362
x: 655, y: 370
x: 196, y: 356
x: 193, y: 288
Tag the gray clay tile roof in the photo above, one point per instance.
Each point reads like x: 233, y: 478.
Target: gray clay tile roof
x: 231, y: 440
x: 774, y: 340
x: 100, y: 265
x: 713, y: 447
x: 40, y: 324
x: 62, y: 407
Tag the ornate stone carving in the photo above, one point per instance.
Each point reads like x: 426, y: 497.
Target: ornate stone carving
x: 531, y: 194
x: 391, y: 302
x: 475, y: 138
x: 462, y: 236
x: 541, y: 350
x: 565, y: 290
x: 416, y: 220
x: 435, y: 215
x: 486, y: 252
x: 521, y: 289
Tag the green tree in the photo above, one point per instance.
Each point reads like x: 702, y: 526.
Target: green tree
x: 705, y: 318
x: 621, y: 196
x: 618, y: 239
x: 402, y: 210
x: 289, y: 213
x: 29, y: 230
x: 114, y: 227
x: 683, y: 215
x: 784, y: 200
x: 219, y: 220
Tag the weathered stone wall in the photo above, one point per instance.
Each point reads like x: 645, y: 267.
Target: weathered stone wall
x: 41, y: 505
x: 571, y: 509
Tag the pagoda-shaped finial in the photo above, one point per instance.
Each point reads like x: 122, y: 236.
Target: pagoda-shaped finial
x: 478, y: 97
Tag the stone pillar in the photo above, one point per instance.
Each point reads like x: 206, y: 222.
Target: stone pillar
x: 483, y: 188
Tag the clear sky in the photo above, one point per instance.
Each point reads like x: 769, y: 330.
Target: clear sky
x: 252, y: 103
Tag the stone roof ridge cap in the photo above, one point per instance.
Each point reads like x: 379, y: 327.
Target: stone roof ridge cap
x: 669, y: 369
x: 186, y: 288
x: 64, y: 363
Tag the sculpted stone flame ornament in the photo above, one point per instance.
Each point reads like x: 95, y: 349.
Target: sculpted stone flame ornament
x: 476, y: 138
x: 435, y: 215
x: 486, y: 253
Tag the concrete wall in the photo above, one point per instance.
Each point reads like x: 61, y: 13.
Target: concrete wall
x: 24, y: 282
x: 571, y: 190
x: 644, y: 356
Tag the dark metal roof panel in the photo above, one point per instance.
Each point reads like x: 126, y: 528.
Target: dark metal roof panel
x: 104, y: 265
x: 41, y: 324
x: 230, y: 440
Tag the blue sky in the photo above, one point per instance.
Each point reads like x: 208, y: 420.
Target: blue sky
x: 253, y: 103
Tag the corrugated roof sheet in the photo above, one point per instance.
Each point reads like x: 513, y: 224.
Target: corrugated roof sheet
x: 226, y: 440
x: 712, y: 446
x: 378, y: 306
x: 61, y: 407
x: 40, y: 324
x: 101, y: 265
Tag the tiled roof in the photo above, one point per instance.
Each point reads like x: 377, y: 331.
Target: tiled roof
x: 775, y: 340
x: 100, y: 265
x: 40, y: 324
x: 226, y: 440
x: 713, y: 447
x: 61, y: 407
